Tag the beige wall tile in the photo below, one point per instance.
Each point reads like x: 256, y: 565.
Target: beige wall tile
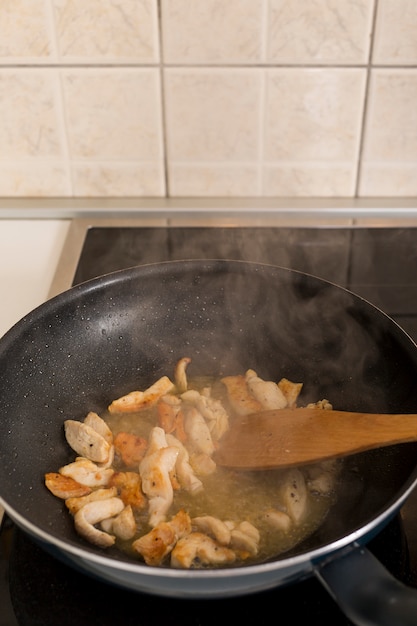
x: 212, y: 31
x: 390, y: 143
x: 212, y: 114
x: 299, y: 180
x: 210, y: 180
x: 314, y: 115
x: 113, y: 114
x: 107, y: 30
x: 319, y: 31
x: 30, y: 114
x: 391, y: 124
x: 40, y: 178
x: 396, y: 32
x: 389, y: 180
x: 118, y: 179
x: 80, y: 115
x: 25, y: 31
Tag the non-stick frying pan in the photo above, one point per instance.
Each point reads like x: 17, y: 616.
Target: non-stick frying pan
x: 122, y: 331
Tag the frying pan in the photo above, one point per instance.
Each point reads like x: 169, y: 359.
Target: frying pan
x: 122, y: 331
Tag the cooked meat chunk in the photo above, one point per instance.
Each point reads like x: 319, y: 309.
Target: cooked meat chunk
x: 168, y: 408
x: 75, y: 504
x: 139, y: 400
x: 198, y: 549
x: 212, y: 410
x: 184, y: 472
x: 294, y: 495
x: 129, y: 489
x: 155, y: 470
x: 239, y: 396
x: 122, y: 526
x: 158, y: 543
x: 86, y: 441
x: 95, y: 421
x: 198, y: 434
x: 202, y: 464
x: 95, y: 512
x: 65, y: 486
x: 214, y: 527
x: 180, y: 375
x: 278, y: 519
x: 266, y: 392
x: 87, y: 473
x: 130, y: 448
x: 244, y: 538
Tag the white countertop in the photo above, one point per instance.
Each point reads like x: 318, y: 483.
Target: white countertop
x: 29, y: 253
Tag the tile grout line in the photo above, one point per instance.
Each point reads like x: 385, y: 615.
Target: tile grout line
x: 363, y: 126
x: 164, y: 138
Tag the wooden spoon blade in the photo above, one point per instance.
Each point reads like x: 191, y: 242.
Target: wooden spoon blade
x: 286, y: 437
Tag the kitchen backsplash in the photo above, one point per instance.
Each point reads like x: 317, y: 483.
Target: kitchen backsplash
x: 206, y: 98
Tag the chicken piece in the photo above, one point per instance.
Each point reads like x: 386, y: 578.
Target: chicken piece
x: 202, y: 464
x: 131, y: 448
x: 155, y: 470
x: 240, y: 399
x: 128, y: 403
x: 213, y: 527
x: 242, y: 544
x: 198, y: 434
x: 155, y: 545
x: 168, y: 408
x: 139, y: 400
x: 244, y: 539
x: 278, y: 519
x: 266, y: 392
x: 156, y: 482
x: 198, y: 549
x: 181, y: 523
x: 250, y: 530
x: 185, y: 473
x: 211, y: 409
x: 294, y: 495
x: 158, y: 543
x: 110, y: 460
x: 290, y: 390
x: 157, y: 440
x: 321, y: 478
x: 93, y: 513
x: 129, y: 489
x: 179, y: 431
x: 321, y: 483
x: 74, y: 504
x: 123, y: 526
x: 95, y: 421
x: 87, y: 473
x: 86, y: 441
x: 64, y: 486
x: 180, y: 375
x: 320, y: 404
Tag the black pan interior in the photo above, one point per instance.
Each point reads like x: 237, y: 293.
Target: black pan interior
x: 122, y: 331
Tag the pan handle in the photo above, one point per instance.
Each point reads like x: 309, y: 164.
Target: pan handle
x: 366, y: 592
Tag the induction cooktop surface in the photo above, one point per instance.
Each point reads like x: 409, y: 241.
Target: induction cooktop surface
x: 378, y: 264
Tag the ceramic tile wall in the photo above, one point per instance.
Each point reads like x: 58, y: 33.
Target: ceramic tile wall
x: 273, y: 98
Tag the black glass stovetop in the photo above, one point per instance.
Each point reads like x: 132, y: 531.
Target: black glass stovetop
x: 379, y: 264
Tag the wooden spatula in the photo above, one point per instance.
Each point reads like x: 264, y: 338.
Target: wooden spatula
x: 286, y: 437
